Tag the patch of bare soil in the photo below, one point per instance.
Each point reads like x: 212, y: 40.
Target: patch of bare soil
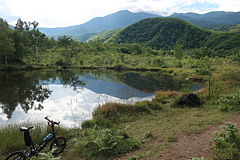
x: 193, y: 144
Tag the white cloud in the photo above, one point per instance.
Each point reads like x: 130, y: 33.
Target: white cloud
x: 53, y: 13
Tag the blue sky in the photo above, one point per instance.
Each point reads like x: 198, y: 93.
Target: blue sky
x: 59, y: 13
x: 201, y: 6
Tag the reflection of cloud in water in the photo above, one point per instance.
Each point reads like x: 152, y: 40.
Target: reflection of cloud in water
x: 67, y: 106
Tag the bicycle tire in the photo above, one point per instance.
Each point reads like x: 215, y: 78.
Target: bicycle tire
x: 18, y: 155
x: 59, y: 145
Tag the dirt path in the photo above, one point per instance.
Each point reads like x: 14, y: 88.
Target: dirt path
x: 193, y: 144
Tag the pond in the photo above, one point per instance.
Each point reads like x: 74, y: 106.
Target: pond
x: 71, y: 96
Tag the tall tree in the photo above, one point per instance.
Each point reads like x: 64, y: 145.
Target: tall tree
x: 66, y: 42
x: 178, y: 50
x: 6, y: 44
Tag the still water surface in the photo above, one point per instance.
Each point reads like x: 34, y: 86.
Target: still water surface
x: 71, y: 96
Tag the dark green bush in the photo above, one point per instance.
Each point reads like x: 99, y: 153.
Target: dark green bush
x: 120, y: 66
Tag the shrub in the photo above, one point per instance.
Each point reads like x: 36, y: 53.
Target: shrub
x: 226, y: 143
x: 230, y: 99
x: 162, y: 96
x: 149, y: 104
x: 233, y: 76
x: 120, y: 66
x: 104, y: 143
x: 97, y: 122
x: 158, y: 62
x: 115, y: 109
x: 46, y: 156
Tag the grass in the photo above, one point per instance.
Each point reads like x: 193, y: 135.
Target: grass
x: 11, y: 138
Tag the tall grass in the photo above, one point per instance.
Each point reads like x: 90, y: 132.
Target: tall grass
x: 11, y: 138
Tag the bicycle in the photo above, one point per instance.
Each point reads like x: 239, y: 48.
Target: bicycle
x: 58, y: 144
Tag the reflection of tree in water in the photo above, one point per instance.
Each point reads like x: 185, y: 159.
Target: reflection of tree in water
x: 143, y: 81
x: 150, y: 81
x: 27, y: 89
x: 21, y: 88
x: 70, y: 79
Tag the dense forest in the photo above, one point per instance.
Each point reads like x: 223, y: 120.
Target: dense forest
x: 23, y: 42
x: 151, y: 37
x: 164, y: 33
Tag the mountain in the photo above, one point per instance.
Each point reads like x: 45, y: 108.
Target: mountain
x: 211, y: 19
x: 119, y: 19
x: 124, y: 18
x: 162, y: 33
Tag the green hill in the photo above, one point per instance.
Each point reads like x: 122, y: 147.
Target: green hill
x: 224, y: 43
x: 162, y: 33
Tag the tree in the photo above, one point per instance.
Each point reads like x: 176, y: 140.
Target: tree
x: 6, y: 44
x: 66, y: 42
x: 178, y: 50
x: 19, y: 25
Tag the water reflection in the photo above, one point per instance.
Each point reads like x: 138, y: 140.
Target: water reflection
x: 21, y: 89
x: 71, y: 96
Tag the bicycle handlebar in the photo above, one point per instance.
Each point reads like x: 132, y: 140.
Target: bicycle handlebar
x: 51, y: 121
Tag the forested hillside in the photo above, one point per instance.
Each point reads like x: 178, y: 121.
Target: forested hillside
x: 162, y: 33
x: 165, y: 33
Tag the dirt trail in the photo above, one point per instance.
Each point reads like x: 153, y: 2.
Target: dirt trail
x: 193, y: 144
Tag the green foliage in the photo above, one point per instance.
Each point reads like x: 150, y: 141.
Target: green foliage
x: 178, y: 50
x: 157, y: 61
x: 23, y: 43
x: 46, y: 156
x: 172, y: 139
x: 223, y: 44
x: 120, y: 66
x: 104, y: 143
x: 98, y: 122
x: 116, y: 111
x: 6, y: 43
x: 230, y: 99
x: 153, y: 105
x: 162, y: 33
x: 203, y: 66
x: 226, y: 143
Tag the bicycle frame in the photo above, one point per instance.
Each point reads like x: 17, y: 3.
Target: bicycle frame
x: 58, y: 143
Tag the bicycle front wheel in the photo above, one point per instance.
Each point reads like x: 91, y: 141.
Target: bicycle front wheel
x: 16, y: 156
x: 58, y: 145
